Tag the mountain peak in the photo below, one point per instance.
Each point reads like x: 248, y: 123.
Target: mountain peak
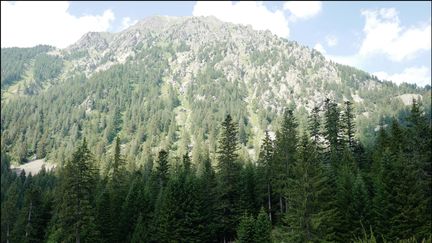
x: 96, y: 40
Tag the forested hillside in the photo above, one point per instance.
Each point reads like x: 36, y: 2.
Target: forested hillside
x: 168, y: 82
x: 189, y: 129
x: 312, y: 185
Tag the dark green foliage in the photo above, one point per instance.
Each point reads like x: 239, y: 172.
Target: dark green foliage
x: 265, y: 171
x: 162, y: 169
x: 332, y: 131
x: 348, y: 124
x: 46, y: 67
x: 263, y: 228
x: 249, y: 202
x: 400, y: 203
x: 229, y: 173
x: 284, y: 157
x: 9, y: 212
x: 104, y: 218
x: 314, y: 125
x: 211, y: 209
x: 246, y: 229
x: 253, y: 230
x: 311, y: 214
x: 76, y: 214
x: 381, y: 189
x: 361, y: 210
x: 14, y: 61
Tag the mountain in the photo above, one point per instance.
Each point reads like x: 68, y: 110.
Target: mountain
x: 169, y: 82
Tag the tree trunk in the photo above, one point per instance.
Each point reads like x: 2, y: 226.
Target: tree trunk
x: 269, y: 201
x: 7, y: 233
x: 281, y: 204
x: 29, y: 217
x: 77, y: 235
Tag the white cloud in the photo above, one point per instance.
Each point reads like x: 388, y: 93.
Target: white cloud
x: 331, y: 40
x: 418, y: 75
x: 385, y: 35
x: 26, y: 24
x: 126, y: 22
x: 255, y: 14
x: 320, y: 48
x: 303, y: 9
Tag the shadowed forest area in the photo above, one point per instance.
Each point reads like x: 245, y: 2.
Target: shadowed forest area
x: 313, y: 184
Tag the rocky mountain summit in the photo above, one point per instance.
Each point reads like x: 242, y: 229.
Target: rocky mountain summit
x: 173, y: 79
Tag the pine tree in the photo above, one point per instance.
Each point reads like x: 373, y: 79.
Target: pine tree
x: 162, y: 169
x: 311, y: 214
x: 249, y: 201
x: 137, y: 236
x: 211, y: 211
x: 105, y: 219
x: 419, y: 144
x: 285, y: 156
x: 138, y: 202
x: 344, y: 181
x: 314, y: 125
x: 348, y: 125
x: 265, y: 170
x: 332, y: 131
x: 263, y: 228
x: 400, y: 203
x: 186, y: 163
x: 118, y: 165
x: 76, y: 213
x: 30, y: 224
x: 246, y: 229
x: 361, y: 217
x: 117, y: 187
x: 229, y: 173
x: 9, y: 212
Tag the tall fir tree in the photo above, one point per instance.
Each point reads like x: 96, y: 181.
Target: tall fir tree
x: 348, y: 125
x: 246, y: 229
x: 228, y: 174
x: 118, y: 191
x: 211, y: 209
x: 263, y: 228
x: 400, y: 205
x: 311, y: 214
x: 314, y: 125
x: 162, y: 168
x: 285, y: 156
x: 332, y: 132
x: 420, y: 142
x: 30, y: 223
x: 9, y: 212
x: 265, y: 172
x: 76, y: 213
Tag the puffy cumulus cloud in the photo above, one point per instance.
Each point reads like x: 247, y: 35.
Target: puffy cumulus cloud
x: 255, y: 14
x: 302, y: 9
x: 126, y: 22
x: 26, y: 24
x: 320, y: 48
x: 331, y: 40
x: 415, y: 75
x: 385, y: 35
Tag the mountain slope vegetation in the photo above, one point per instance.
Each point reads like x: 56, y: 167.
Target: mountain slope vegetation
x: 169, y: 82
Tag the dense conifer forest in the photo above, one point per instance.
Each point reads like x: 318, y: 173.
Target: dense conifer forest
x: 314, y: 182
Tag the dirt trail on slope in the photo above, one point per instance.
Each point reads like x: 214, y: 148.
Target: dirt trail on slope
x: 33, y: 167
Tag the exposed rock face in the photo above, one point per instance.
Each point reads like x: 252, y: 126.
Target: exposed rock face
x: 197, y: 59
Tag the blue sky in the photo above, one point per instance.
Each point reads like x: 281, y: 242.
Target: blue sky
x: 389, y: 39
